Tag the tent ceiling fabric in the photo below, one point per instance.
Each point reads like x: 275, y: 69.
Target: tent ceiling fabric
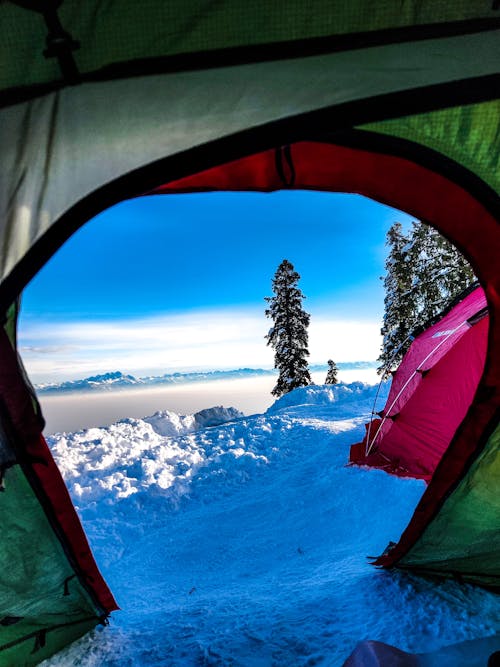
x: 60, y: 147
x: 112, y: 33
x: 468, y: 135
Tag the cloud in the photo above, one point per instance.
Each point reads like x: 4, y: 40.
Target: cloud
x: 46, y: 349
x: 196, y: 340
x: 344, y: 340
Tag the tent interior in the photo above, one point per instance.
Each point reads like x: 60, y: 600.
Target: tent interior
x: 106, y: 101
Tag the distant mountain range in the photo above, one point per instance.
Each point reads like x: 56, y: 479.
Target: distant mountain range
x: 118, y: 380
x: 105, y: 382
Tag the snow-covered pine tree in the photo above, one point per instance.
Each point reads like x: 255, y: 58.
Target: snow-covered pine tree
x: 425, y: 272
x: 456, y: 272
x: 440, y: 272
x: 425, y: 266
x: 288, y: 336
x: 399, y: 308
x: 331, y: 376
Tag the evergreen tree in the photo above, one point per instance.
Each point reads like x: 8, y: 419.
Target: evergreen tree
x: 331, y: 376
x: 457, y: 273
x: 399, y: 308
x: 424, y: 272
x: 440, y: 272
x: 425, y: 265
x: 288, y: 335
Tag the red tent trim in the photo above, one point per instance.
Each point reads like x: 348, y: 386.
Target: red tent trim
x: 429, y: 186
x: 43, y: 474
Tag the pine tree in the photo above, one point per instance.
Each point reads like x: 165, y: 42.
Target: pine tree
x: 457, y: 273
x: 425, y: 267
x: 425, y: 272
x: 331, y: 376
x: 288, y: 336
x: 398, y: 302
x: 440, y: 272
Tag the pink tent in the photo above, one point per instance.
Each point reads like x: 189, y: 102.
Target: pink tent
x: 430, y: 393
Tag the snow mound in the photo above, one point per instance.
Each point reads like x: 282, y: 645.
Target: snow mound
x: 311, y: 395
x: 154, y: 454
x: 325, y: 395
x: 167, y: 423
x: 216, y: 416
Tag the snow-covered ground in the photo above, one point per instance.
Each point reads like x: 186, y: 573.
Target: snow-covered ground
x: 245, y: 544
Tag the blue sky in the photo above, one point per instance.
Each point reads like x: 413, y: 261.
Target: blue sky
x: 178, y: 283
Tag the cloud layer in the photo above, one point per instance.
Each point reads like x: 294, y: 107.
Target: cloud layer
x: 197, y: 340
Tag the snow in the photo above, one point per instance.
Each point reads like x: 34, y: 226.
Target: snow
x: 245, y: 543
x: 315, y: 395
x: 165, y: 422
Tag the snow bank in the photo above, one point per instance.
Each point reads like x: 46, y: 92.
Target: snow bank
x: 111, y: 463
x: 348, y: 400
x: 323, y: 394
x: 169, y: 423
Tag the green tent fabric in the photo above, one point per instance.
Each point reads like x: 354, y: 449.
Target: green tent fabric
x: 102, y: 101
x: 468, y: 135
x: 463, y: 540
x: 50, y: 589
x: 114, y: 37
x: 47, y: 607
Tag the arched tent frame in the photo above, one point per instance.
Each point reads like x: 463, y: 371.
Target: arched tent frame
x: 150, y: 178
x: 351, y: 161
x: 106, y: 101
